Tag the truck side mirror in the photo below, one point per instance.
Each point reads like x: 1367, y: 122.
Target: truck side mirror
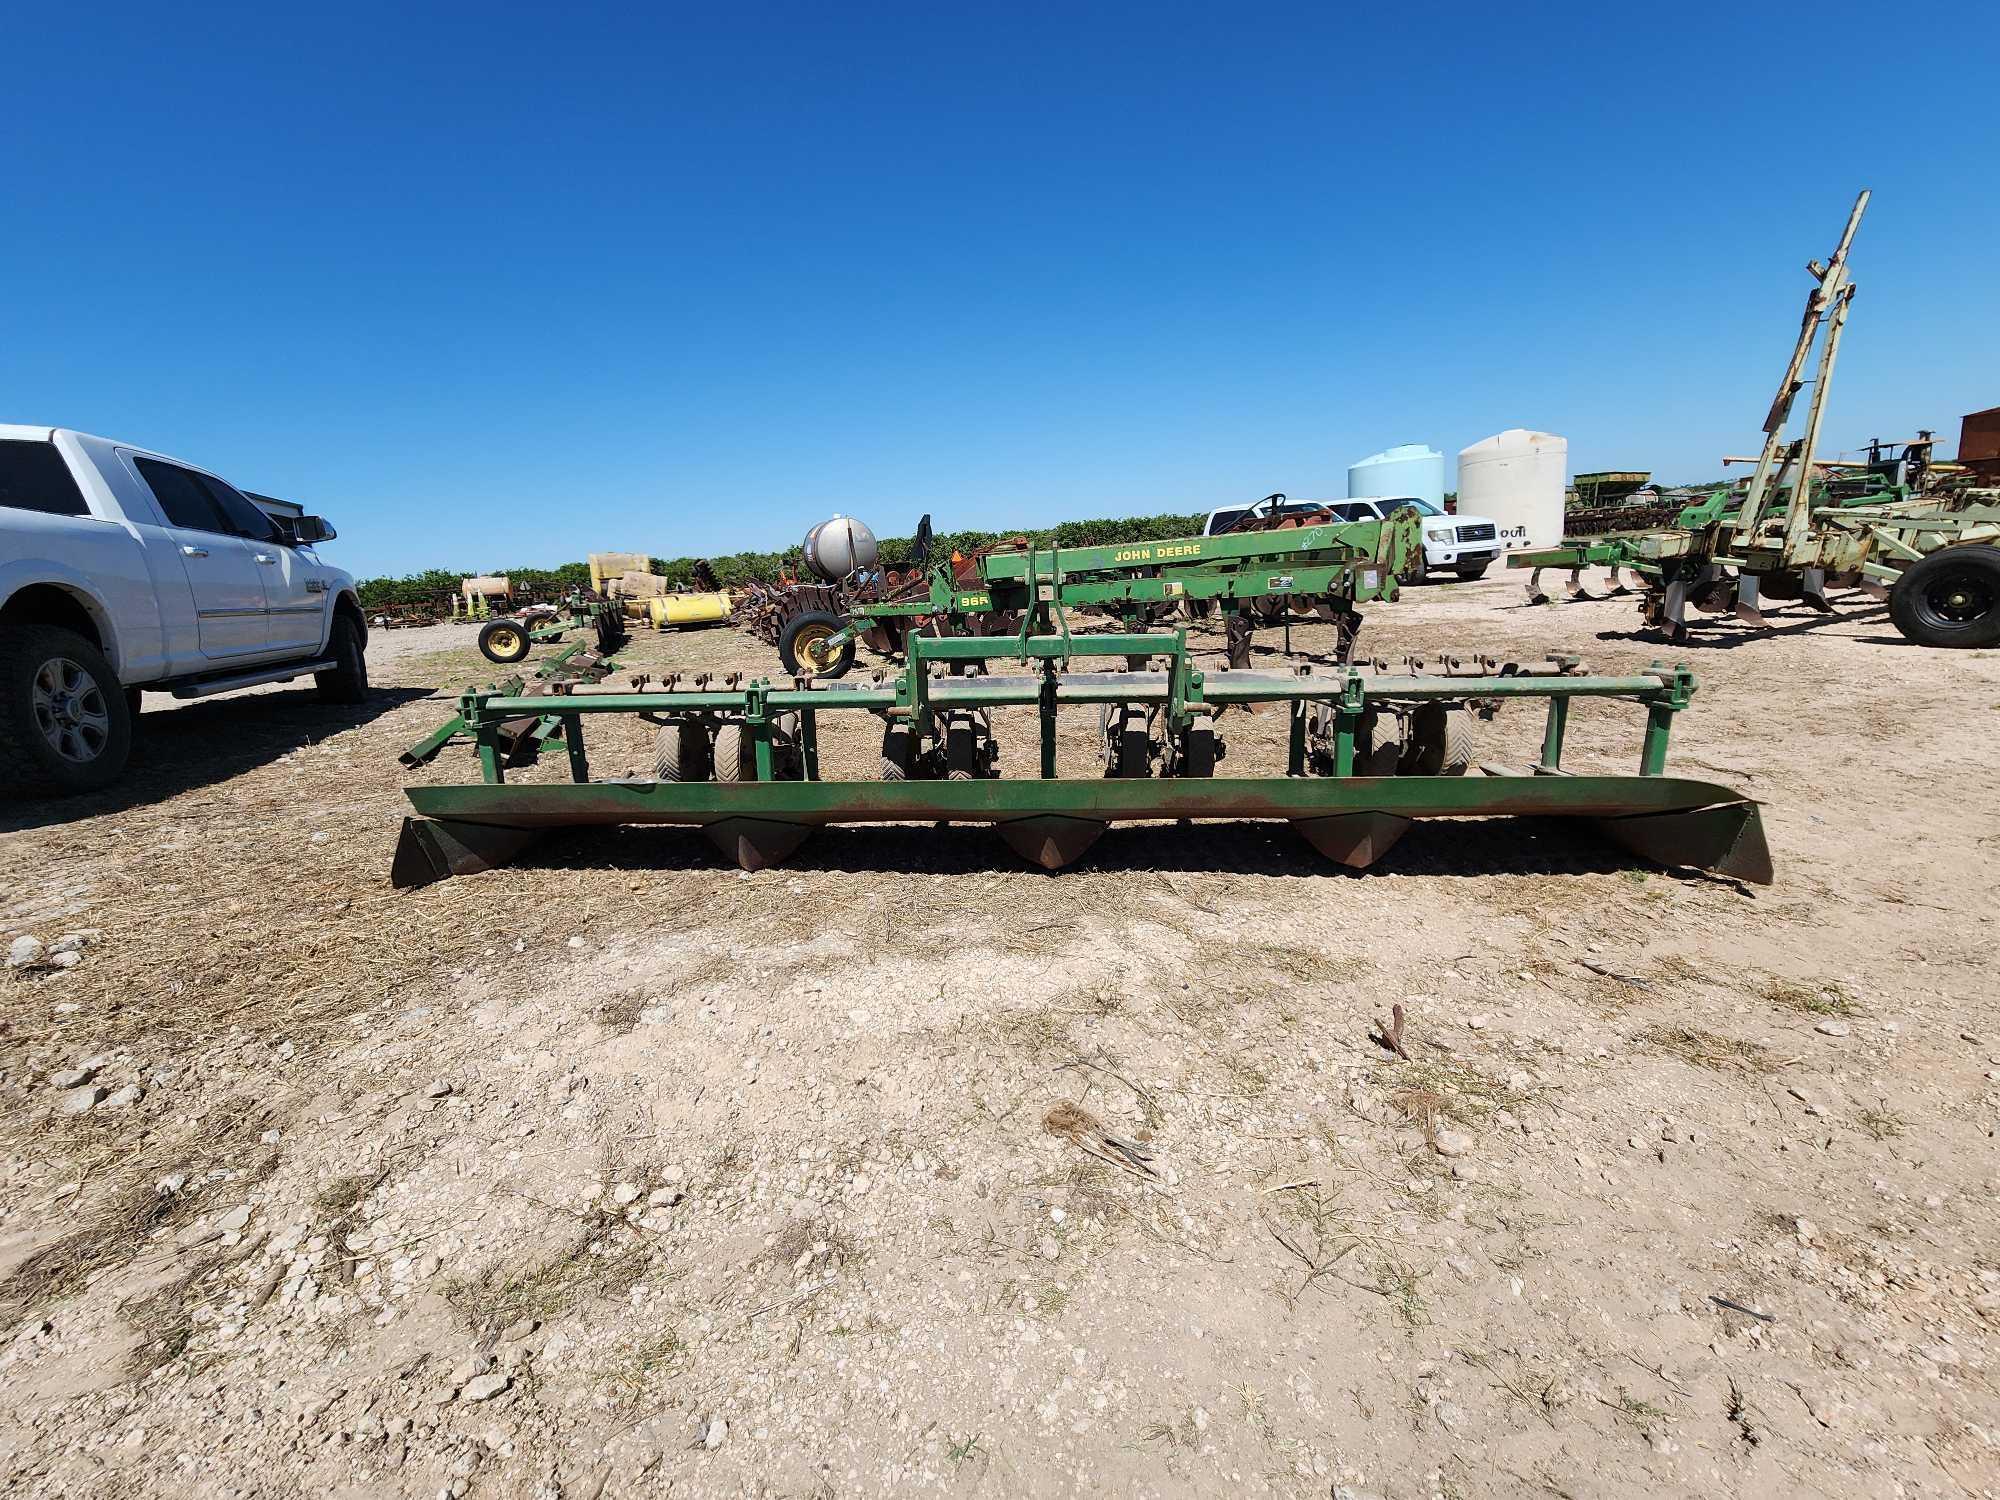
x: 307, y: 530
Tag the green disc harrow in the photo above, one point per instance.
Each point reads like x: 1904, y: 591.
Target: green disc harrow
x: 1370, y: 750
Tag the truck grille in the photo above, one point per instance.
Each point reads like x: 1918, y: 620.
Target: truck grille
x: 1475, y: 533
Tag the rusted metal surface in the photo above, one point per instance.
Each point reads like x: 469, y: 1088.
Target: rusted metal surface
x: 1979, y: 444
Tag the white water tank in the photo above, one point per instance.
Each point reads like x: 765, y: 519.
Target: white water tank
x: 1411, y: 469
x: 1517, y: 478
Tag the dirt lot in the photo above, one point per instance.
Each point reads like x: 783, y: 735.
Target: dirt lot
x: 624, y: 1173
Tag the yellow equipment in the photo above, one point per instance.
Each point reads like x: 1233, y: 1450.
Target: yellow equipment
x: 673, y: 611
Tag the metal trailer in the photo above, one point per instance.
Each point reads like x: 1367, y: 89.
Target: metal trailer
x: 1324, y: 570
x: 1369, y: 751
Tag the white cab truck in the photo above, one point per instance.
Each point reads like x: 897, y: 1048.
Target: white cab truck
x: 123, y: 570
x: 1459, y: 544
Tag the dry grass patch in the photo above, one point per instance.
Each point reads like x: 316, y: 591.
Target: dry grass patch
x: 1449, y: 1089
x: 1883, y: 1122
x: 590, y: 1268
x: 1706, y: 1049
x: 1811, y: 999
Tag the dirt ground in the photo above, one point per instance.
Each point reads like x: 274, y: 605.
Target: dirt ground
x: 624, y: 1173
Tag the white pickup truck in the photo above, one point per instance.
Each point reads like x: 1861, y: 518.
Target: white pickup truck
x: 123, y: 570
x: 1461, y: 544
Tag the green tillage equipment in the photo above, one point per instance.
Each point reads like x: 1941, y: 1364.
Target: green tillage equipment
x: 1934, y: 558
x: 1931, y: 555
x: 1337, y: 566
x: 1367, y: 754
x: 507, y: 641
x: 522, y: 739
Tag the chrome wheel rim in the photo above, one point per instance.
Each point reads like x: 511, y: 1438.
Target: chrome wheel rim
x: 71, y: 711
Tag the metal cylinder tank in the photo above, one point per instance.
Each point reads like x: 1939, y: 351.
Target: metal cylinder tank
x: 1412, y: 469
x: 1516, y: 477
x: 839, y: 547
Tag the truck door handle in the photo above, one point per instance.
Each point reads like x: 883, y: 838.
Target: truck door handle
x: 263, y: 557
x: 194, y: 551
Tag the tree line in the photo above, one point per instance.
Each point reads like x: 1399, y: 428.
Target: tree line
x: 734, y: 569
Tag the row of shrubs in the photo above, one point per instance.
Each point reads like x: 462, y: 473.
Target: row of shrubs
x: 742, y: 567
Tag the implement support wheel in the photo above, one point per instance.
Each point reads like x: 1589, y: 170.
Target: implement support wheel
x: 1951, y: 598
x: 899, y: 751
x: 681, y: 752
x: 803, y: 648
x: 505, y: 642
x: 1440, y: 741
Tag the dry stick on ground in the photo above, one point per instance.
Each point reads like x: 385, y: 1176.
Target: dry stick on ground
x: 1628, y: 979
x: 1087, y: 1133
x: 1391, y: 1035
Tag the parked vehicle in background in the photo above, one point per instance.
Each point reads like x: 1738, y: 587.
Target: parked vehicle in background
x: 123, y: 570
x: 1460, y: 544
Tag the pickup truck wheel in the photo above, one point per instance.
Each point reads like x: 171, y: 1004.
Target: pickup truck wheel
x: 1473, y: 572
x: 65, y: 725
x: 347, y: 682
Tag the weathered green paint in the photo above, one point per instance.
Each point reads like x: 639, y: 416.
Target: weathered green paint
x: 1348, y: 562
x: 1111, y: 799
x: 1353, y: 818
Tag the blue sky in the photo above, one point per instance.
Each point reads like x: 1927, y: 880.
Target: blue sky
x: 493, y: 284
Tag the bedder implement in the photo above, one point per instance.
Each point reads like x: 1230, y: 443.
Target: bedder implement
x: 1370, y: 749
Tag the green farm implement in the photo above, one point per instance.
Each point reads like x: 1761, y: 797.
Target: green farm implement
x: 509, y: 640
x: 1801, y: 526
x: 1368, y: 751
x: 1248, y: 576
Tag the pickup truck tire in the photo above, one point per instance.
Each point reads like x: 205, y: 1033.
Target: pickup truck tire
x: 65, y: 723
x: 347, y: 682
x: 1476, y: 571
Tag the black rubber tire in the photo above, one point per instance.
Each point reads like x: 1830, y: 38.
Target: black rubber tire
x: 1440, y: 741
x: 29, y: 762
x: 1921, y: 601
x: 961, y: 746
x: 1198, y: 752
x: 1132, y: 757
x: 1378, y: 744
x: 514, y: 635
x: 899, y: 751
x: 681, y: 752
x: 1473, y: 575
x: 347, y: 682
x: 735, y: 754
x: 799, y: 624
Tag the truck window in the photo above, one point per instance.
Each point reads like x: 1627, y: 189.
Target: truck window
x: 243, y: 514
x: 33, y: 476
x: 183, y: 496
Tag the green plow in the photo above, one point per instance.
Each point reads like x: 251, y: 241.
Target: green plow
x: 1370, y: 750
